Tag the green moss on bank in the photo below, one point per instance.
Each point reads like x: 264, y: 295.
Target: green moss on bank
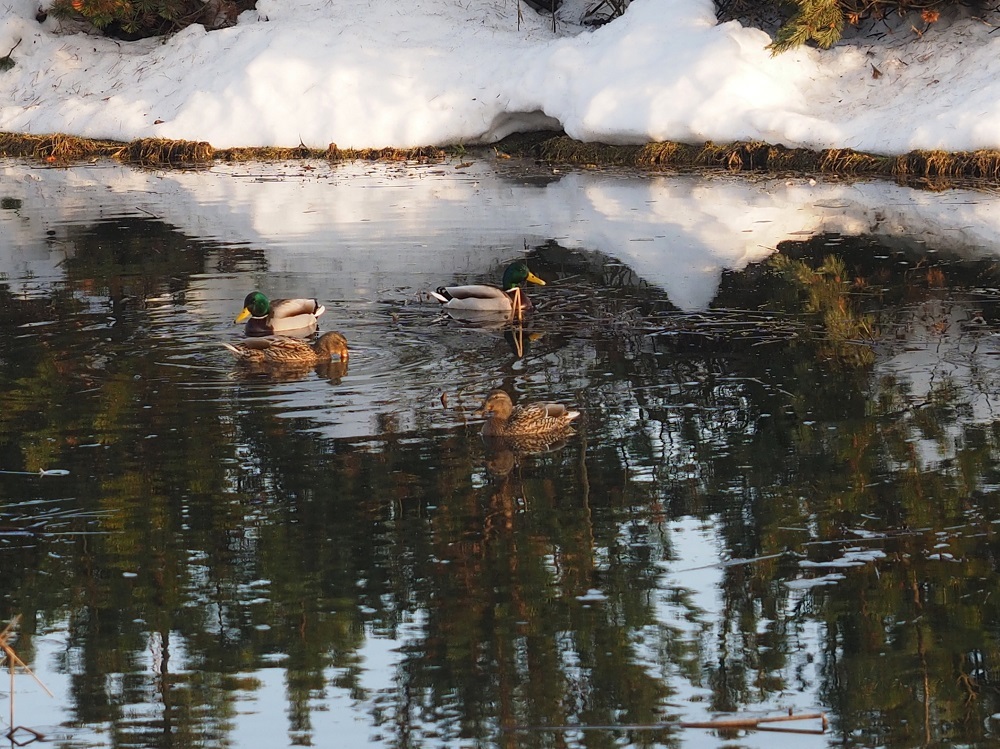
x: 933, y: 168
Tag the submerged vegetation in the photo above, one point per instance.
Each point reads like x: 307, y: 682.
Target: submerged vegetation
x: 846, y: 331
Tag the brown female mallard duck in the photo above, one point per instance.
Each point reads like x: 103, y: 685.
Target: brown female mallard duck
x: 504, y: 419
x: 266, y: 316
x: 481, y: 298
x: 283, y: 350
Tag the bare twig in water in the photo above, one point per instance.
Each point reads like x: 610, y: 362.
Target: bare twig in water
x: 734, y: 562
x: 13, y: 663
x: 12, y: 659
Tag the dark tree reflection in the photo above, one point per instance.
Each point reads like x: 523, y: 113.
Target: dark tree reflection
x: 205, y: 537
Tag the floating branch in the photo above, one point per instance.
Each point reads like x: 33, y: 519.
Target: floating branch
x: 762, y: 724
x: 750, y: 724
x: 43, y: 472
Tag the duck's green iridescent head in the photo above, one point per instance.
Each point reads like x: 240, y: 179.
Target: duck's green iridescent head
x: 255, y: 305
x: 516, y: 274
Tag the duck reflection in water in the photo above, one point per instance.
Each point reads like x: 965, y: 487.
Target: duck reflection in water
x: 286, y: 358
x: 504, y: 454
x: 511, y: 434
x: 513, y: 332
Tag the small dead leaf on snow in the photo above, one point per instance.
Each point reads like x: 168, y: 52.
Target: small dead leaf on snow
x: 876, y: 73
x: 7, y: 62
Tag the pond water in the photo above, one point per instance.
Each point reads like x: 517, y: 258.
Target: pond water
x: 783, y: 493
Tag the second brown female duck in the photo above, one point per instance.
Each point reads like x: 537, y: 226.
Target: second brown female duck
x: 504, y: 419
x: 283, y: 350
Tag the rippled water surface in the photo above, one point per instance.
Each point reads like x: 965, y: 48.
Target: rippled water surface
x: 781, y: 495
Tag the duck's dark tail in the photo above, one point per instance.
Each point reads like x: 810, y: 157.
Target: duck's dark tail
x: 441, y: 294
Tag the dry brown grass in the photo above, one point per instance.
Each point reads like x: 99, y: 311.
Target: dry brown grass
x: 422, y: 154
x: 935, y: 169
x: 979, y: 165
x: 848, y: 161
x: 663, y: 154
x: 332, y: 153
x: 161, y: 152
x: 55, y: 148
x: 65, y: 149
x: 268, y: 154
x: 567, y: 150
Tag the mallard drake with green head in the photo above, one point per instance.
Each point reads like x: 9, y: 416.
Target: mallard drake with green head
x: 482, y: 298
x: 504, y: 419
x: 269, y: 316
x: 283, y: 350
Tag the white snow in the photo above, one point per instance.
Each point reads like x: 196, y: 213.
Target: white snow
x: 370, y: 73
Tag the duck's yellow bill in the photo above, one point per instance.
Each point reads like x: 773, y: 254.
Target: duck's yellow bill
x: 242, y: 316
x: 535, y: 279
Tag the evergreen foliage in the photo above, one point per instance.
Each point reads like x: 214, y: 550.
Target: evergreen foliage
x: 820, y: 21
x: 823, y: 22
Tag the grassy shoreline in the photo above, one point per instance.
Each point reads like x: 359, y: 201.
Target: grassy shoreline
x: 938, y: 169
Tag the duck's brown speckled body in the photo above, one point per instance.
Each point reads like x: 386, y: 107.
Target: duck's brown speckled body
x: 504, y: 419
x: 282, y: 350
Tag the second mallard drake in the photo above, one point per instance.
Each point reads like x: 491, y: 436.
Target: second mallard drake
x: 269, y: 316
x: 283, y: 350
x: 482, y: 298
x: 504, y: 419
